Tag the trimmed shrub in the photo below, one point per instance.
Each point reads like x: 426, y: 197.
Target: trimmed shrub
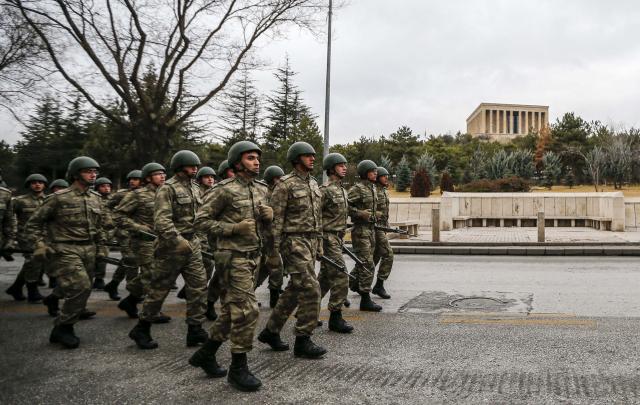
x: 509, y: 184
x: 421, y: 184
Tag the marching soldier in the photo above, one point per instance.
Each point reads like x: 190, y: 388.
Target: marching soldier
x: 236, y: 212
x: 362, y: 208
x: 7, y: 222
x: 335, y: 210
x: 57, y: 185
x: 273, y: 270
x: 297, y: 235
x: 128, y: 268
x: 225, y: 171
x: 135, y: 214
x: 177, y: 252
x: 103, y: 187
x: 67, y: 230
x: 382, y: 252
x: 23, y: 207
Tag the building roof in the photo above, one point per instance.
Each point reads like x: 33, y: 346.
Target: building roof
x: 507, y: 106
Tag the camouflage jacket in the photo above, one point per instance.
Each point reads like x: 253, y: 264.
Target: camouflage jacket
x: 8, y: 233
x: 135, y: 210
x: 70, y: 215
x: 23, y: 207
x: 362, y: 196
x: 335, y: 206
x: 176, y: 204
x: 296, y: 202
x: 233, y: 201
x: 382, y: 209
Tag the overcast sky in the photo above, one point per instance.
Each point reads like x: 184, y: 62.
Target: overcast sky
x: 428, y: 64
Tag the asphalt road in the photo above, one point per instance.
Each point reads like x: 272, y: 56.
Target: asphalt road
x: 459, y: 329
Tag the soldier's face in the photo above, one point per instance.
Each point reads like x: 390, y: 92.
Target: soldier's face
x: 157, y: 178
x: 251, y: 162
x: 340, y: 169
x: 229, y: 174
x: 207, y: 180
x: 190, y: 171
x: 383, y: 180
x: 372, y: 175
x: 307, y: 161
x: 104, y: 189
x: 135, y: 183
x: 88, y: 176
x: 37, y: 186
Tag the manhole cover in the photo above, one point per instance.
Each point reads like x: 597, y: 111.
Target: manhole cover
x: 484, y: 303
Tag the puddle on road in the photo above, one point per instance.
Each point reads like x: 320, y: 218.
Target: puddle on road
x: 439, y: 302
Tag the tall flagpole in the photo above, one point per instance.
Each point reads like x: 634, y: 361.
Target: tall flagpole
x: 327, y: 98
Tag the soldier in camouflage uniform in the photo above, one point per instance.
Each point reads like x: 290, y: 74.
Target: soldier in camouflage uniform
x: 297, y: 235
x: 103, y: 187
x: 273, y: 270
x: 23, y: 207
x: 225, y: 171
x: 236, y: 213
x: 135, y: 214
x: 382, y: 252
x: 363, y: 201
x: 128, y: 269
x: 67, y: 230
x: 7, y: 222
x: 177, y: 252
x: 335, y: 211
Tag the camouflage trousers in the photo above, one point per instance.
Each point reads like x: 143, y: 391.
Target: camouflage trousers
x: 100, y: 270
x: 166, y: 267
x: 138, y: 286
x: 72, y: 265
x: 303, y: 289
x: 363, y: 240
x: 128, y: 269
x: 383, y: 254
x: 214, y: 289
x: 239, y: 310
x: 31, y: 269
x: 331, y: 279
x: 273, y: 272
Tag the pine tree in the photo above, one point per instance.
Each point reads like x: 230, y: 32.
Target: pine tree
x: 403, y: 173
x: 241, y: 117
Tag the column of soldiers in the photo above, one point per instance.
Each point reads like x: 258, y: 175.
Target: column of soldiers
x: 225, y: 239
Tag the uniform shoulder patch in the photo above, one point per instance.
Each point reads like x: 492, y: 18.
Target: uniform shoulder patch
x: 94, y: 192
x: 64, y: 191
x: 172, y: 180
x: 225, y: 181
x: 262, y: 183
x: 287, y: 177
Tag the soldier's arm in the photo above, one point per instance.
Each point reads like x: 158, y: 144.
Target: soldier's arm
x: 207, y: 220
x: 123, y: 213
x: 9, y: 223
x: 36, y: 225
x: 354, y: 197
x: 278, y: 202
x: 163, y: 215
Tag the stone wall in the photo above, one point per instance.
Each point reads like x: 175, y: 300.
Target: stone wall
x: 632, y: 214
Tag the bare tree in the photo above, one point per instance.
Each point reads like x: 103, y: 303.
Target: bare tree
x: 107, y: 47
x: 21, y: 52
x: 596, y: 161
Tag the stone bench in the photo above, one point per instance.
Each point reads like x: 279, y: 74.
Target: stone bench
x: 410, y: 226
x: 469, y: 221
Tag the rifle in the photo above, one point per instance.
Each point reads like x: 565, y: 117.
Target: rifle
x: 336, y: 265
x: 114, y: 261
x: 391, y: 230
x: 353, y: 256
x: 7, y: 253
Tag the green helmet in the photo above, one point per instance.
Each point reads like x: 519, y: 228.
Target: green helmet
x: 62, y: 183
x: 35, y: 177
x: 222, y: 169
x: 365, y: 167
x: 331, y: 160
x: 102, y: 180
x: 80, y: 163
x: 271, y: 172
x: 152, y: 167
x: 134, y: 174
x: 235, y: 152
x: 184, y: 158
x: 382, y: 171
x: 205, y: 171
x: 297, y: 149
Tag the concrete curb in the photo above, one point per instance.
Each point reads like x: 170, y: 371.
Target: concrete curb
x: 567, y: 250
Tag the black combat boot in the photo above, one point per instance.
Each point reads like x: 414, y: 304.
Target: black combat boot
x: 274, y: 294
x: 86, y: 314
x: 129, y: 305
x: 182, y: 294
x: 347, y: 303
x: 211, y: 311
x: 338, y: 324
x: 141, y: 334
x: 273, y: 340
x: 40, y: 281
x: 16, y: 288
x: 112, y: 289
x: 304, y: 347
x: 367, y: 304
x: 239, y: 375
x: 379, y: 290
x: 33, y: 294
x: 205, y: 358
x: 160, y: 318
x: 196, y: 335
x: 52, y: 303
x: 52, y: 282
x: 98, y: 284
x: 64, y: 335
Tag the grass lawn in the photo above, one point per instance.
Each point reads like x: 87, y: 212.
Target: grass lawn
x: 628, y: 191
